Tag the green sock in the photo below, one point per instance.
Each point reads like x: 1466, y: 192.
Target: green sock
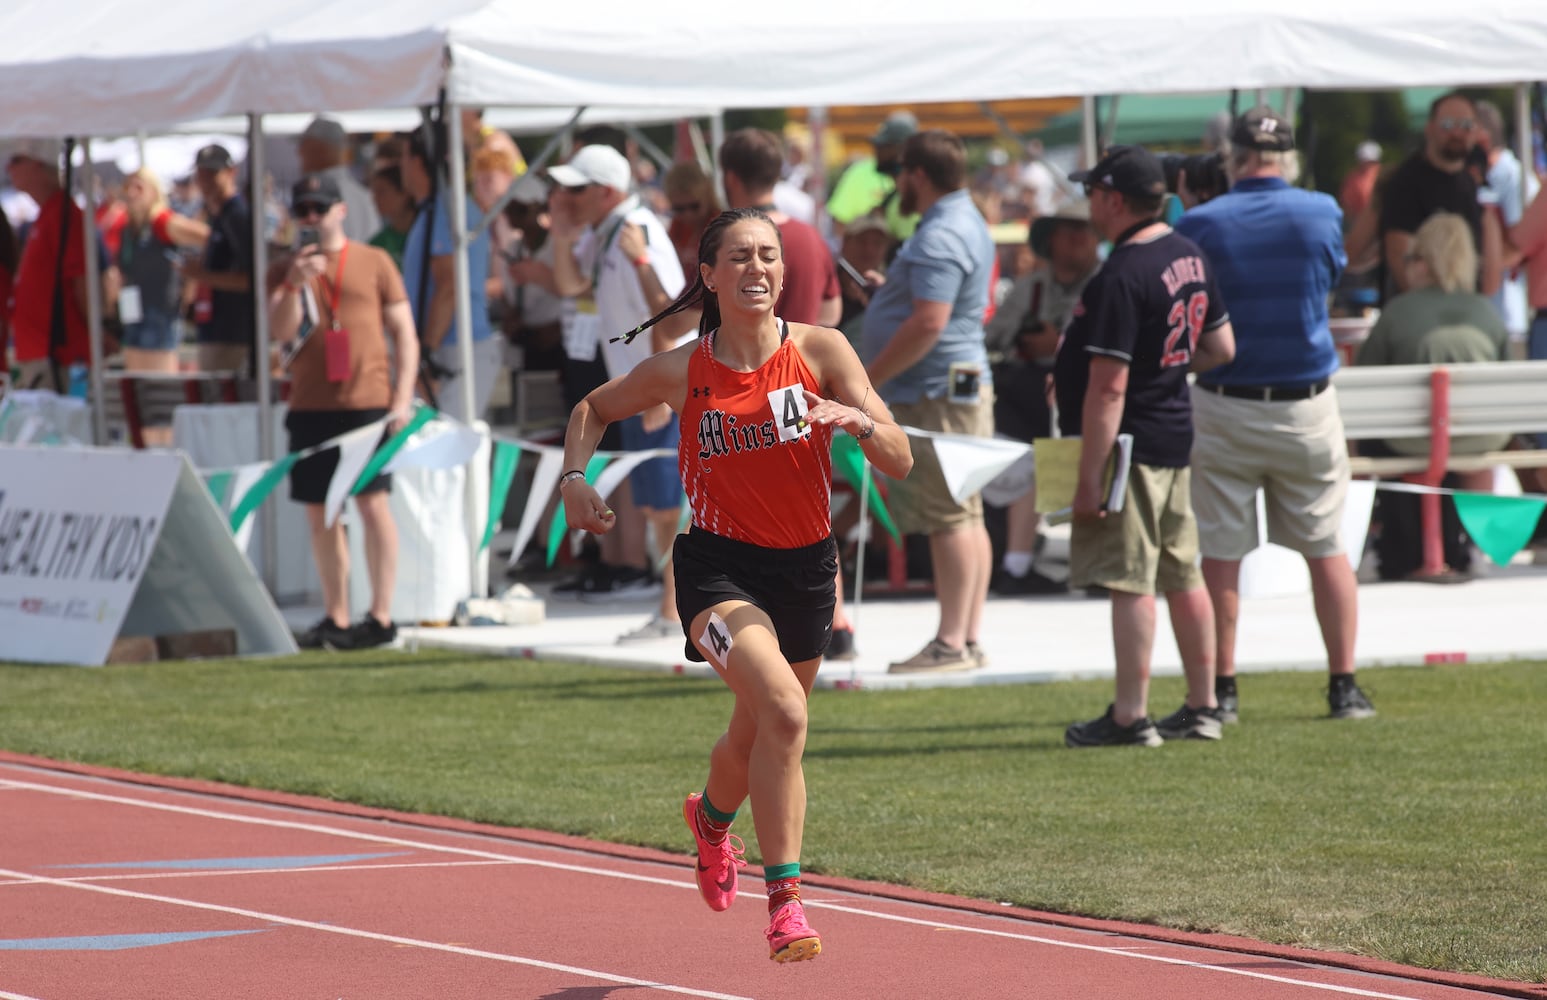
x: 723, y: 818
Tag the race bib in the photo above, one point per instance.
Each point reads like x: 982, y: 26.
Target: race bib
x: 582, y: 333
x: 789, y: 411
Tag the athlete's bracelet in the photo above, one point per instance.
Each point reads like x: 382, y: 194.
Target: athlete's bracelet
x: 869, y: 431
x: 570, y: 476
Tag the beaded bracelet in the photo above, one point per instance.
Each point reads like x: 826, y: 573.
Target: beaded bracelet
x: 869, y: 431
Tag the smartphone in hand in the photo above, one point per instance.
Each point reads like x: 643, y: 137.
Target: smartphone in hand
x: 306, y: 236
x: 853, y: 273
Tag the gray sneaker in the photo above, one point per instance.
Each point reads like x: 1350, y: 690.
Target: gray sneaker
x: 656, y: 628
x: 937, y: 658
x: 1348, y: 702
x: 1191, y: 724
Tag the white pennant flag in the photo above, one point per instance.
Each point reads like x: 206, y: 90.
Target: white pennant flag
x: 441, y: 444
x: 621, y: 466
x: 550, y: 463
x: 970, y: 463
x: 354, y: 451
x: 243, y: 478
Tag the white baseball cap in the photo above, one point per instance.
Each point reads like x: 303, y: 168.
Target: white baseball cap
x: 49, y: 152
x: 1367, y: 152
x: 596, y: 164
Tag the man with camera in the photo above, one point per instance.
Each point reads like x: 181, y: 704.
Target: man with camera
x: 334, y: 302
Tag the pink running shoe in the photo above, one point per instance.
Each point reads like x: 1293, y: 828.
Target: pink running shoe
x: 790, y: 938
x: 717, y: 863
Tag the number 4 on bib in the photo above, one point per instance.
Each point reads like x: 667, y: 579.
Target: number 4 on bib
x: 789, y: 409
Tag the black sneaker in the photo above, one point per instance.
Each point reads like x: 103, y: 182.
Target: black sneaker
x: 620, y: 582
x: 325, y: 635
x: 1104, y: 732
x: 1346, y: 701
x: 368, y: 633
x: 1191, y: 724
x: 596, y: 576
x: 1030, y: 582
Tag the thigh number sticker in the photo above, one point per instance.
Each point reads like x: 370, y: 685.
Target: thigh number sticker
x: 716, y: 640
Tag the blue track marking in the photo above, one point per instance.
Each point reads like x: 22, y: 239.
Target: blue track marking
x: 112, y: 942
x: 215, y: 864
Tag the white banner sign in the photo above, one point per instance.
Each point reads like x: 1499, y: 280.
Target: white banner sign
x: 77, y: 529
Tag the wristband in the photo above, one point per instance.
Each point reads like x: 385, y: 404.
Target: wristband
x: 642, y: 260
x: 869, y: 431
x: 570, y: 476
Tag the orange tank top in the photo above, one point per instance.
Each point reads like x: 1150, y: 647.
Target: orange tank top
x: 754, y: 471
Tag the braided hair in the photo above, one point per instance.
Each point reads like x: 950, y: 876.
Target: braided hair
x: 697, y: 294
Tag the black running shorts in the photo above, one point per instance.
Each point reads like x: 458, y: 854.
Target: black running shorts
x: 310, y: 477
x: 796, y: 588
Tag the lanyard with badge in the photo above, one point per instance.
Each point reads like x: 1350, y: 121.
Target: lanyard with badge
x: 131, y: 306
x: 336, y: 339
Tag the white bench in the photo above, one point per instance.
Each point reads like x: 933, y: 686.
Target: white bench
x: 1442, y: 402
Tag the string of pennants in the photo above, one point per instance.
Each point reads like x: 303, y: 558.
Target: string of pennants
x: 1500, y: 525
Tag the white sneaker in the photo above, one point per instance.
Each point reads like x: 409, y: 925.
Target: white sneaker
x: 656, y: 628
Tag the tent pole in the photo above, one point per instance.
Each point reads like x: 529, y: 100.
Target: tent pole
x: 716, y: 140
x: 816, y: 118
x: 1089, y: 153
x: 93, y: 296
x: 1260, y: 97
x: 268, y: 521
x: 1110, y: 132
x: 462, y: 279
x: 1523, y: 139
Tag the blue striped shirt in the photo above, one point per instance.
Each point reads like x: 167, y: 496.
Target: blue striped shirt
x: 1277, y: 252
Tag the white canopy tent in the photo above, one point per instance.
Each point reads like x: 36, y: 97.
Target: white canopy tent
x: 104, y: 67
x: 115, y: 67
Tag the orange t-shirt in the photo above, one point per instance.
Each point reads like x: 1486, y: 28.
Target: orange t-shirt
x: 371, y: 282
x: 751, y: 471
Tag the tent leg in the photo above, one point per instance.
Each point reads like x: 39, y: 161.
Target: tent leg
x: 1089, y: 153
x: 1523, y: 149
x: 268, y: 521
x: 462, y: 279
x: 93, y: 298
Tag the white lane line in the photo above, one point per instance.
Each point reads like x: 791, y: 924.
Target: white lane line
x: 586, y: 870
x: 14, y: 996
x: 374, y: 838
x: 222, y: 872
x: 275, y: 918
x: 1123, y: 952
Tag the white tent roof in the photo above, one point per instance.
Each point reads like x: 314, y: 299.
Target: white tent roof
x: 110, y: 66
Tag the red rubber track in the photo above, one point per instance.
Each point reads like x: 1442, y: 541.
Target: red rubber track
x: 452, y: 909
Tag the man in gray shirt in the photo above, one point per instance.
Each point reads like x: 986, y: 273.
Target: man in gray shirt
x: 324, y: 149
x: 923, y: 346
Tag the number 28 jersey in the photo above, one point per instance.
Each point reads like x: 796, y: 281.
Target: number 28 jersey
x: 1146, y: 308
x: 753, y: 469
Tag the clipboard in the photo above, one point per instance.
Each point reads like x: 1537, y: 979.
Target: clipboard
x: 1058, y: 475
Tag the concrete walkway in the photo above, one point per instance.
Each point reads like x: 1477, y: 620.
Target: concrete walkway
x: 1500, y: 615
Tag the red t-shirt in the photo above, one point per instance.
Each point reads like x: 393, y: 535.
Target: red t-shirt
x: 751, y: 473
x: 5, y: 314
x: 810, y: 276
x: 33, y: 300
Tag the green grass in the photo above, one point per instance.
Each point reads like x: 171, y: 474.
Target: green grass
x: 1416, y: 836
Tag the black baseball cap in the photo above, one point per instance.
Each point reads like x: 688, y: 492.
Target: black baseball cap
x: 316, y: 189
x: 213, y: 157
x: 1130, y: 170
x: 1263, y: 129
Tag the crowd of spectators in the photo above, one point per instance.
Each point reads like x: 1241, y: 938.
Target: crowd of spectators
x: 178, y: 287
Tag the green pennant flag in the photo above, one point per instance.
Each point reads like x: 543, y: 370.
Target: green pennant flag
x: 1499, y: 525
x: 506, y: 455
x: 219, y: 485
x: 388, y: 451
x: 254, y: 497
x: 849, y: 460
x: 556, y: 530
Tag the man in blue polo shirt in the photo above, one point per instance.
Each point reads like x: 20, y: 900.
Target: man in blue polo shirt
x: 923, y: 348
x: 1269, y: 420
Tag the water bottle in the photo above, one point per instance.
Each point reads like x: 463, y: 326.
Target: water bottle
x: 80, y: 385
